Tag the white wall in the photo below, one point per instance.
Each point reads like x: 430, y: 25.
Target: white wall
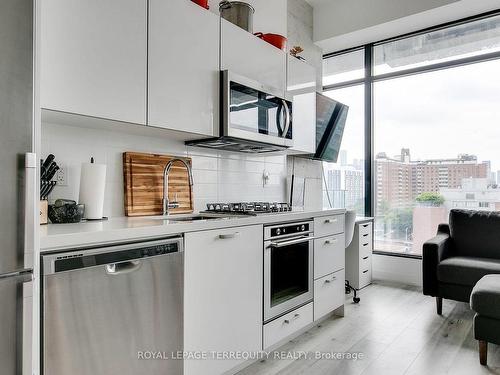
x: 341, y: 24
x: 300, y: 33
x: 398, y: 269
x: 218, y: 176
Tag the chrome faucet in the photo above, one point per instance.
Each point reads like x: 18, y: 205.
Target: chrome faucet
x: 167, y: 205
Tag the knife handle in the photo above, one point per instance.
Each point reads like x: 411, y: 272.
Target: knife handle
x: 46, y: 165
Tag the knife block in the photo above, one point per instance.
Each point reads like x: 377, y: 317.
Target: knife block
x: 44, y: 207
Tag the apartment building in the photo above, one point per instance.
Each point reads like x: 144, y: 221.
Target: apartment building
x: 400, y: 180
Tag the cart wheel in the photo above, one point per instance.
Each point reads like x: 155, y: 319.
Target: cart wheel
x: 356, y: 299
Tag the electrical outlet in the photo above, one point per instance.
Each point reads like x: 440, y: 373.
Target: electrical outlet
x: 62, y: 176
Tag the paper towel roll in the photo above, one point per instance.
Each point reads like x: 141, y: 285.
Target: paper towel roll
x: 92, y: 186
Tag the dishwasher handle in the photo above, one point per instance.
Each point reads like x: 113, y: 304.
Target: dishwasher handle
x: 122, y: 268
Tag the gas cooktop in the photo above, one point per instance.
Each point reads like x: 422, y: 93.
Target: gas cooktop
x: 249, y: 208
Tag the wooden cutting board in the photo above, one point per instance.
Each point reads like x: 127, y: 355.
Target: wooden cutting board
x: 143, y: 180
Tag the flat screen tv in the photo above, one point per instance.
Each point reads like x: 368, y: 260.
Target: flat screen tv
x: 331, y: 116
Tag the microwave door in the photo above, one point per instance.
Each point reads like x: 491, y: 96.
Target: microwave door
x: 252, y: 114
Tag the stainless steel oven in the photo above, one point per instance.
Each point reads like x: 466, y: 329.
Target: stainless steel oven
x: 255, y: 112
x: 288, y: 267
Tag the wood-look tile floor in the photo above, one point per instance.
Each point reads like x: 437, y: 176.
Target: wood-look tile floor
x: 397, y: 330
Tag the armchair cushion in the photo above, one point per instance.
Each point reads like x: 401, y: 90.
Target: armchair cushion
x: 485, y: 297
x: 466, y: 270
x: 475, y: 233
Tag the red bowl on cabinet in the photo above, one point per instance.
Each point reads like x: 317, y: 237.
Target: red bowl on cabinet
x: 279, y: 41
x: 202, y: 3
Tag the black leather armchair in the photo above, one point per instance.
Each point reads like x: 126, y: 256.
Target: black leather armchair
x: 461, y: 253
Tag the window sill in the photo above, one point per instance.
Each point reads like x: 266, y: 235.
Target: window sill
x: 397, y: 255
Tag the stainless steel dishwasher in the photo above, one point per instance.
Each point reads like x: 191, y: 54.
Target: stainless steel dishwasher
x: 114, y: 310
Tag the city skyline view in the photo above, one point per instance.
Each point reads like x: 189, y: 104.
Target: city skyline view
x: 413, y: 197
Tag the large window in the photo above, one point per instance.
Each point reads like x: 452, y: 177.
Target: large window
x: 436, y: 147
x: 433, y: 116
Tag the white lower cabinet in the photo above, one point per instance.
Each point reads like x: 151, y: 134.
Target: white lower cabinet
x: 222, y: 296
x: 329, y: 255
x: 328, y: 225
x: 287, y: 325
x: 359, y: 256
x: 329, y: 294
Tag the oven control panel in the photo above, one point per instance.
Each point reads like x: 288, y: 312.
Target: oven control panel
x: 289, y: 229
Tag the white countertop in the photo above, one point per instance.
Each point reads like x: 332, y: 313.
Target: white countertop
x: 364, y: 219
x: 55, y: 237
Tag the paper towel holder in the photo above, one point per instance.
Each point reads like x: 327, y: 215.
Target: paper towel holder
x: 92, y: 190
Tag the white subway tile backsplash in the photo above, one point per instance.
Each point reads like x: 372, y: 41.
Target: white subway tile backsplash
x: 218, y: 175
x: 245, y: 178
x: 205, y: 191
x: 274, y: 168
x: 204, y: 177
x: 276, y: 159
x: 204, y: 162
x: 242, y: 165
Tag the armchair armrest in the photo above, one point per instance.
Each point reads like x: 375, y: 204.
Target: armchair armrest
x: 434, y: 251
x: 443, y: 229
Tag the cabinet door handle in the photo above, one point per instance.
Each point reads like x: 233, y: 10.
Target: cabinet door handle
x: 365, y: 225
x: 364, y: 258
x: 330, y: 221
x: 366, y: 244
x: 365, y: 271
x: 228, y: 235
x: 365, y: 235
x: 288, y: 321
x: 331, y: 241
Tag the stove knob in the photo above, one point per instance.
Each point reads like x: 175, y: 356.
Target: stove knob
x: 303, y: 228
x: 278, y: 231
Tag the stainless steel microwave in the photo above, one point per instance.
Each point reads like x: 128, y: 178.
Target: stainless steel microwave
x: 254, y: 111
x: 255, y: 118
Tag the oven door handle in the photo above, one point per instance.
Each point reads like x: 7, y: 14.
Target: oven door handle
x: 291, y: 242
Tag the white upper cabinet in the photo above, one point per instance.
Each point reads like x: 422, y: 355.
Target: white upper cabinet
x: 251, y: 57
x: 93, y: 58
x: 301, y: 86
x: 301, y: 77
x: 183, y: 67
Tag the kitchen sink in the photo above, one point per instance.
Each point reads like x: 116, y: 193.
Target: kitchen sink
x: 196, y: 217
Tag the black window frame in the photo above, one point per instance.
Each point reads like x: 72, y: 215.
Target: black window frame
x: 368, y: 81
